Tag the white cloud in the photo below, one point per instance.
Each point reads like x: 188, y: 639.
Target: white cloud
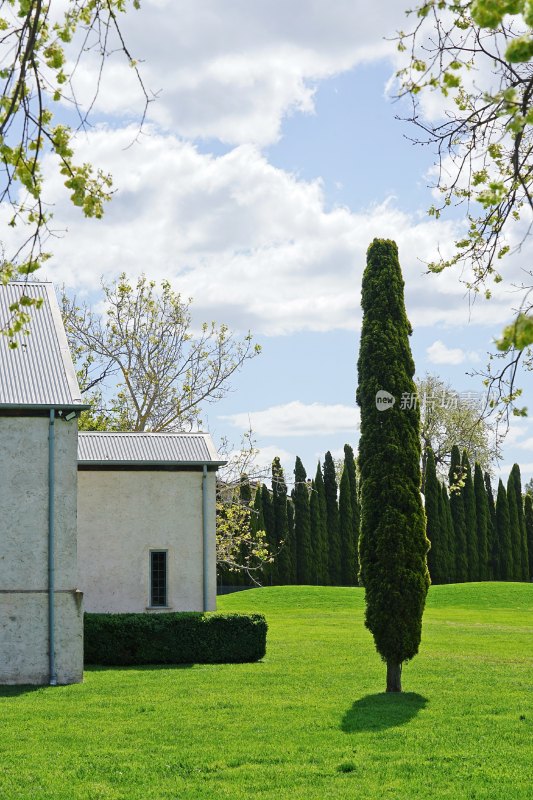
x: 233, y: 73
x: 298, y: 419
x: 439, y: 353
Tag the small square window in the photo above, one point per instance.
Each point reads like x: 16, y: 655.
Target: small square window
x: 158, y: 578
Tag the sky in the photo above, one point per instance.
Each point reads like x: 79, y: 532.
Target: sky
x: 269, y: 159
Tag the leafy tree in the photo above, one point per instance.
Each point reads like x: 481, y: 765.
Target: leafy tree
x: 482, y: 523
x: 457, y: 508
x: 319, y: 531
x: 302, y: 525
x: 469, y: 500
x: 483, y: 139
x: 346, y: 534
x: 514, y: 529
x: 281, y: 523
x: 332, y: 515
x: 448, y: 418
x: 38, y: 99
x: 492, y: 537
x: 503, y: 531
x: 528, y: 488
x: 162, y: 372
x: 523, y: 573
x: 238, y: 548
x: 349, y: 466
x: 393, y: 543
x: 436, y: 531
x: 528, y: 517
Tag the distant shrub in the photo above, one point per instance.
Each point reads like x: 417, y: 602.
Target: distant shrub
x: 173, y: 638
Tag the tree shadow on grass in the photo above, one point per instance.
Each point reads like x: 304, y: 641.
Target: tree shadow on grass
x: 136, y: 667
x: 15, y: 690
x: 377, y: 712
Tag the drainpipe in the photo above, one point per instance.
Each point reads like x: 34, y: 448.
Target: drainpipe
x: 51, y: 548
x: 205, y: 538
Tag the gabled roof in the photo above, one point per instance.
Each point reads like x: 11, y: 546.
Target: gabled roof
x: 145, y: 449
x: 39, y: 372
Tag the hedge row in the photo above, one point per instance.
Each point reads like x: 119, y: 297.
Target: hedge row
x: 173, y: 638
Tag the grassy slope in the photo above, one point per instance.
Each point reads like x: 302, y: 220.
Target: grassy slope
x: 309, y: 721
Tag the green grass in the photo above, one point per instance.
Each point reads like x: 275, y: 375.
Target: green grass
x: 309, y: 721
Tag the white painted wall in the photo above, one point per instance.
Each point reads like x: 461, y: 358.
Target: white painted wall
x: 122, y: 515
x: 24, y: 552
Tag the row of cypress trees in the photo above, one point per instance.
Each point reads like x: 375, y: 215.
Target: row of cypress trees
x: 313, y: 531
x: 473, y: 537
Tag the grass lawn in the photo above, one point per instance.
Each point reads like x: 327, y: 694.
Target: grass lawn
x: 309, y: 721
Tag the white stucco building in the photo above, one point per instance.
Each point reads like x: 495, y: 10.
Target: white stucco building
x: 146, y: 521
x: 41, y: 619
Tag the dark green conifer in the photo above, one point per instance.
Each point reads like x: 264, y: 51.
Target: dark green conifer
x: 482, y: 522
x: 469, y: 501
x: 528, y: 519
x: 349, y: 466
x: 257, y: 519
x: 393, y: 543
x: 524, y: 560
x: 457, y: 507
x: 447, y: 523
x: 270, y: 570
x: 503, y: 535
x: 281, y: 523
x: 302, y: 525
x: 332, y: 512
x: 435, y: 530
x: 492, y: 538
x: 514, y: 527
x: 292, y: 541
x: 321, y: 547
x: 348, y: 561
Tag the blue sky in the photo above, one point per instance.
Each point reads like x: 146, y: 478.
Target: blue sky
x: 269, y: 161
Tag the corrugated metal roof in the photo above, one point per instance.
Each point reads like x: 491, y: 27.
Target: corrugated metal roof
x: 146, y: 448
x: 39, y: 372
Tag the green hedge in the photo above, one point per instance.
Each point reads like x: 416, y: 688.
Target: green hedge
x: 173, y: 638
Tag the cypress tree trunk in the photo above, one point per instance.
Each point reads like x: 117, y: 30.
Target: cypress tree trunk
x: 394, y: 676
x: 482, y: 522
x: 393, y: 543
x: 528, y: 518
x: 332, y: 511
x: 457, y: 507
x: 503, y: 535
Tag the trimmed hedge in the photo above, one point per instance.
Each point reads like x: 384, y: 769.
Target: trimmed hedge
x: 173, y: 638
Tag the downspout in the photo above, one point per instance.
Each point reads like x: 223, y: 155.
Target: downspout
x: 205, y: 538
x: 51, y: 548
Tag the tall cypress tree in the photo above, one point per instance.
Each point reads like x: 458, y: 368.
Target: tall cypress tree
x: 436, y: 531
x: 492, y: 539
x: 322, y: 554
x: 447, y: 522
x: 514, y: 527
x: 348, y: 561
x: 469, y: 501
x: 332, y: 511
x: 528, y: 518
x: 349, y: 466
x: 524, y: 560
x: 482, y: 522
x: 281, y: 523
x: 302, y: 525
x: 503, y: 535
x: 457, y: 507
x: 393, y: 543
x: 292, y: 541
x: 270, y: 571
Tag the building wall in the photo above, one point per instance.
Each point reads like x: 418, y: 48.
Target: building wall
x: 24, y: 636
x: 122, y: 515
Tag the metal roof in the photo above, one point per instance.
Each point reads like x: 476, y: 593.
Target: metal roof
x: 146, y: 448
x: 38, y: 373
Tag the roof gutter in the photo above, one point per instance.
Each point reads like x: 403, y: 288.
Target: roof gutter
x: 51, y: 548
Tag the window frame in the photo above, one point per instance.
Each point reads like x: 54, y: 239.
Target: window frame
x: 153, y: 589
